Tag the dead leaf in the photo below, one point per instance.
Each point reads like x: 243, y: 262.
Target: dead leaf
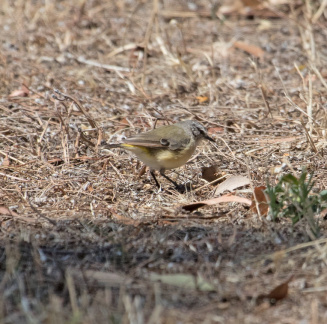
x: 211, y: 173
x: 230, y: 8
x: 323, y: 214
x: 278, y: 293
x: 250, y: 49
x: 278, y: 2
x: 232, y: 183
x: 246, y: 8
x: 142, y: 171
x: 183, y: 280
x: 251, y: 3
x: 107, y: 278
x: 125, y: 220
x: 265, y: 25
x: 215, y: 130
x: 202, y: 99
x: 299, y: 68
x: 226, y: 198
x: 23, y: 92
x: 123, y: 123
x: 6, y: 161
x: 259, y: 197
x: 6, y: 211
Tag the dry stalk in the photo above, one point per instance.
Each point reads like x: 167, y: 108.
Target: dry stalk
x: 262, y: 88
x: 153, y: 18
x: 72, y: 293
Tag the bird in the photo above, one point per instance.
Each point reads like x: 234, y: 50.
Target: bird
x: 166, y: 147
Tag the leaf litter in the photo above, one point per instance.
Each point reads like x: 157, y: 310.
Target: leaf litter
x: 83, y: 230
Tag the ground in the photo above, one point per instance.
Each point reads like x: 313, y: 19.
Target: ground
x: 86, y: 237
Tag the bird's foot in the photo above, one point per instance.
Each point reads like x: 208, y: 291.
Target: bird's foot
x: 183, y: 188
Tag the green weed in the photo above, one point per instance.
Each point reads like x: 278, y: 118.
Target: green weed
x: 293, y: 198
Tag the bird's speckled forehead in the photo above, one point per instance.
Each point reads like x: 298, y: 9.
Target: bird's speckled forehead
x: 197, y: 129
x: 199, y: 126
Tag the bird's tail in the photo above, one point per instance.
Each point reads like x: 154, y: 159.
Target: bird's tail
x: 110, y: 146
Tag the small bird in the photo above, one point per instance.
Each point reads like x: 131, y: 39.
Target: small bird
x: 166, y: 147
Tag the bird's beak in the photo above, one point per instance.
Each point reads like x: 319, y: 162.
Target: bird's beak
x: 209, y: 138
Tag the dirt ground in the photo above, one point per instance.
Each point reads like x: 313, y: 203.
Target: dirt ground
x: 86, y: 237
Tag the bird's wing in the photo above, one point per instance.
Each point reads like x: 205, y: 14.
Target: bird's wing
x: 163, y: 137
x: 143, y: 142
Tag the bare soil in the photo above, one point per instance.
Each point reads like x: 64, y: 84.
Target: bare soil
x: 86, y: 237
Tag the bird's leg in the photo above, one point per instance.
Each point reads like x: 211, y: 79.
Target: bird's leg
x: 177, y: 186
x: 155, y: 179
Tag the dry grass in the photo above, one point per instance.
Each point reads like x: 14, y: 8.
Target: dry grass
x: 82, y: 232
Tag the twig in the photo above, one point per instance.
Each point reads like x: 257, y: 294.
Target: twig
x: 262, y: 89
x: 81, y: 59
x: 78, y: 105
x: 147, y: 36
x: 211, y: 182
x: 318, y: 74
x: 309, y: 137
x: 12, y: 177
x: 54, y: 223
x: 87, y: 116
x: 121, y: 49
x: 289, y: 99
x: 319, y: 12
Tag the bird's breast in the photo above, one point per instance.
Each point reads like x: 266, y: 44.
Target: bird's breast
x: 170, y: 159
x: 161, y: 158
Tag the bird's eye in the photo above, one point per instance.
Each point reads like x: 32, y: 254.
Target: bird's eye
x: 164, y: 142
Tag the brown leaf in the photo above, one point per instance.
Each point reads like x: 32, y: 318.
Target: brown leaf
x: 232, y: 183
x: 142, y: 171
x: 6, y: 211
x: 279, y: 292
x: 211, y: 173
x: 259, y: 197
x: 202, y: 99
x: 251, y: 3
x: 23, y: 92
x: 6, y: 161
x: 214, y: 201
x: 232, y: 7
x: 277, y: 2
x: 125, y: 220
x: 250, y: 49
x: 323, y: 213
x: 215, y: 130
x: 247, y: 8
